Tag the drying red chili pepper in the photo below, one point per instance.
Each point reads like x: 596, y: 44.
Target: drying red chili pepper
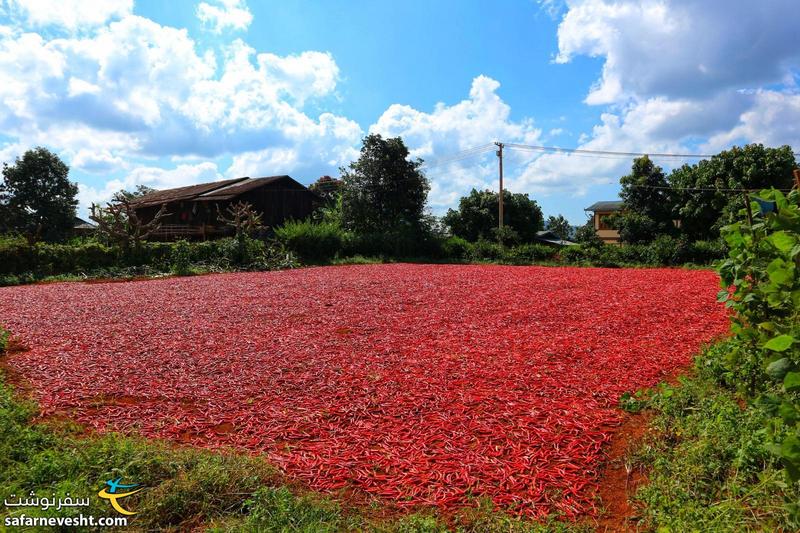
x: 420, y: 384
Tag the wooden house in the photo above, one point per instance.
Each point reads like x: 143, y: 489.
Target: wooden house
x: 194, y: 210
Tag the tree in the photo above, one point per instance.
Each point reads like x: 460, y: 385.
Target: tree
x: 328, y: 189
x: 647, y: 203
x: 560, y: 226
x: 242, y: 218
x: 703, y: 212
x: 119, y: 223
x: 37, y: 197
x: 138, y: 192
x: 383, y: 191
x: 587, y: 235
x: 477, y: 215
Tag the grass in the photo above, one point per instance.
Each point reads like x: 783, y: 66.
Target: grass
x: 189, y: 488
x: 706, y: 463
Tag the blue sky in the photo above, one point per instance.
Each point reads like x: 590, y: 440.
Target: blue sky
x: 172, y: 93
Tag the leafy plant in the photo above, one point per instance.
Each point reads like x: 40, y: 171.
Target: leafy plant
x: 181, y: 258
x: 311, y: 241
x: 761, y: 285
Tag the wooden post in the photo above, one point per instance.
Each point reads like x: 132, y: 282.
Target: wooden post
x: 797, y: 178
x: 500, y: 196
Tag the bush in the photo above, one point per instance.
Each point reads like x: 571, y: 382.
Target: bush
x: 399, y: 243
x: 530, y: 253
x: 762, y: 271
x: 311, y: 241
x: 15, y: 255
x: 181, y: 260
x: 60, y: 258
x: 664, y: 250
x: 486, y: 250
x: 456, y: 248
x: 705, y: 252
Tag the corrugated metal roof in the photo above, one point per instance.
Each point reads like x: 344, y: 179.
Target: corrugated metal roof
x: 235, y: 189
x: 181, y: 193
x: 614, y: 205
x: 552, y: 238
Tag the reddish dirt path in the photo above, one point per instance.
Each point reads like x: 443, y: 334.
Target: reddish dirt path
x: 416, y: 384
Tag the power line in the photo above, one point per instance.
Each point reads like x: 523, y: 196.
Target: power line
x: 699, y: 189
x: 553, y: 149
x: 459, y: 156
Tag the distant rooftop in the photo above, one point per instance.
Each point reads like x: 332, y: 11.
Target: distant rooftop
x: 613, y: 205
x: 217, y: 190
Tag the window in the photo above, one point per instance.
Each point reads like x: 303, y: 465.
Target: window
x: 603, y: 221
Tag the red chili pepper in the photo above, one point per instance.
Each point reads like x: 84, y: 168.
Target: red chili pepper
x: 421, y: 384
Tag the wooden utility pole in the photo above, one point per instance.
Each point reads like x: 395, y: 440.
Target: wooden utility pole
x: 500, y: 196
x: 797, y: 178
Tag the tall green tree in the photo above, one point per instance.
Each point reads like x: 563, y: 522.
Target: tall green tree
x: 37, y: 197
x: 704, y: 212
x: 383, y: 190
x: 477, y: 215
x: 560, y: 226
x: 328, y: 189
x: 648, y: 203
x: 138, y: 192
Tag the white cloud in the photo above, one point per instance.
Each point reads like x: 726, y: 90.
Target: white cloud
x: 677, y: 74
x: 681, y: 48
x: 773, y: 120
x: 100, y: 161
x: 224, y: 14
x: 481, y: 118
x: 134, y: 88
x: 155, y: 177
x: 69, y: 14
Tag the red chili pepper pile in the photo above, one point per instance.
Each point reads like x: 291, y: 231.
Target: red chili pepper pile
x: 419, y: 384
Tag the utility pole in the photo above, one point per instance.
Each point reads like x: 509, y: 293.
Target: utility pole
x: 500, y: 196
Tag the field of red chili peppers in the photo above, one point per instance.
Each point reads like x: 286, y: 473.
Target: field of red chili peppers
x: 416, y: 384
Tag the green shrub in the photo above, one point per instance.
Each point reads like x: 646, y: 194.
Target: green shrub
x: 15, y: 255
x: 763, y: 272
x: 530, y: 253
x: 181, y: 260
x: 705, y: 252
x: 706, y: 465
x: 574, y: 254
x: 456, y: 248
x: 311, y: 241
x: 484, y: 250
x: 402, y: 243
x: 61, y: 258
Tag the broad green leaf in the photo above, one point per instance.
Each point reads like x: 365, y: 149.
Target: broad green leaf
x: 780, y: 368
x: 782, y: 241
x: 779, y: 272
x: 780, y: 343
x: 792, y: 381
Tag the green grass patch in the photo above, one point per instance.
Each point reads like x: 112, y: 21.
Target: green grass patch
x: 706, y: 459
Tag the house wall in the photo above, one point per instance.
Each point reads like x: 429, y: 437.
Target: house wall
x: 277, y: 202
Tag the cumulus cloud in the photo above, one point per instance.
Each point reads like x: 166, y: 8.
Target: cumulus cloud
x: 69, y: 14
x: 155, y: 177
x: 133, y: 88
x: 480, y: 118
x: 677, y: 75
x: 681, y: 48
x: 225, y: 14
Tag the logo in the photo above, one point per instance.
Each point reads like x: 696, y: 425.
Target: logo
x: 112, y: 494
